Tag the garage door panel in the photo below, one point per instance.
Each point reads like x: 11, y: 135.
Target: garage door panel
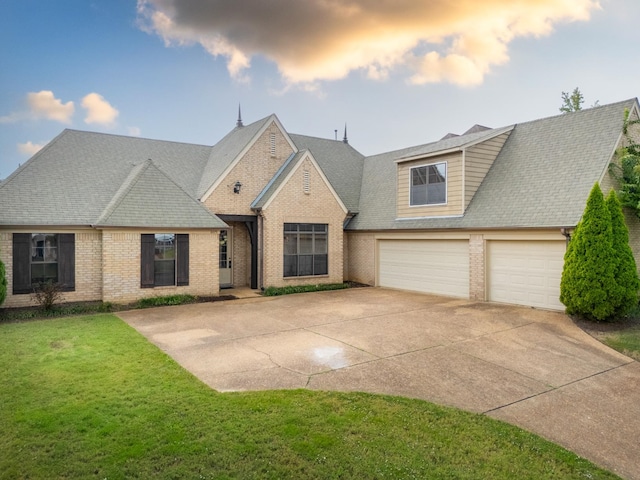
x: 525, y: 272
x: 430, y: 266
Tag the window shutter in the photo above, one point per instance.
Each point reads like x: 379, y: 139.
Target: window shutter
x: 21, y: 263
x: 67, y: 261
x: 182, y: 242
x: 147, y: 252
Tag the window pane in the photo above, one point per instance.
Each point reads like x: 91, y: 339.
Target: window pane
x: 318, y: 227
x: 436, y: 173
x: 44, y: 272
x: 437, y: 193
x: 320, y: 244
x: 290, y: 243
x: 164, y: 272
x: 306, y: 243
x: 305, y: 227
x: 290, y: 227
x: 419, y: 176
x: 305, y: 265
x: 320, y: 266
x: 419, y: 195
x: 290, y: 265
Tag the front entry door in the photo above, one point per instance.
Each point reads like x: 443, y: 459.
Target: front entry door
x: 226, y: 277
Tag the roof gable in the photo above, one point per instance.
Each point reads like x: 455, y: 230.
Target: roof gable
x: 149, y: 198
x: 284, y: 175
x: 231, y: 149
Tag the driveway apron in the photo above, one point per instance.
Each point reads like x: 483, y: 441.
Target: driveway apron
x: 528, y: 367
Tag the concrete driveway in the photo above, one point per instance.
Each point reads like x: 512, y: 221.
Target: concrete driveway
x: 528, y: 367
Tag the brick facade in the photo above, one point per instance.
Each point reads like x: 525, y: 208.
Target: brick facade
x: 477, y: 263
x: 295, y: 204
x: 361, y: 266
x: 121, y: 266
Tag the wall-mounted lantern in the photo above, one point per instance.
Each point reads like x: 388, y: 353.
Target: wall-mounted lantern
x: 237, y: 187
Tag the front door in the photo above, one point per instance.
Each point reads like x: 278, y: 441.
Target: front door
x: 226, y: 277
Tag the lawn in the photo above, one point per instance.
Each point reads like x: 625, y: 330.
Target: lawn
x: 88, y: 397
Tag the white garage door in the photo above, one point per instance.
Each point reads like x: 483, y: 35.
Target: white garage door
x: 430, y: 266
x: 525, y: 272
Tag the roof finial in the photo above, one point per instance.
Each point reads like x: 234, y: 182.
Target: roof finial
x: 345, y: 140
x: 239, y: 122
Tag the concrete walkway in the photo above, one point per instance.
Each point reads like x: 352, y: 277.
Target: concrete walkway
x: 528, y: 367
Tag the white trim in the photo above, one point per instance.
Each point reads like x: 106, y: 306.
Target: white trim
x: 446, y: 184
x: 462, y: 147
x: 306, y: 155
x: 430, y: 217
x: 272, y: 119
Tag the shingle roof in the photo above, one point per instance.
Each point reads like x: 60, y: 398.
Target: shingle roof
x: 341, y: 164
x: 277, y: 179
x: 148, y: 198
x: 76, y: 176
x: 223, y: 153
x: 541, y: 178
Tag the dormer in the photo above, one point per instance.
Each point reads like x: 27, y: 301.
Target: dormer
x: 440, y: 179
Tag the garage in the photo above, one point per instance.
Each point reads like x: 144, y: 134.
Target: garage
x: 525, y: 272
x: 429, y: 266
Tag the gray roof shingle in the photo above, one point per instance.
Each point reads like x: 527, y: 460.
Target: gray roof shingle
x: 341, y: 164
x: 541, y: 178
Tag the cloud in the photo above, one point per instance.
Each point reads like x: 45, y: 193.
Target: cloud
x: 454, y: 41
x: 99, y: 110
x: 42, y: 104
x: 29, y: 148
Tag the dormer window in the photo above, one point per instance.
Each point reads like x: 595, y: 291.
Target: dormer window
x: 429, y: 184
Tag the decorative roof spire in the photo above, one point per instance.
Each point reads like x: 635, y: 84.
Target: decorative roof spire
x: 239, y: 122
x: 345, y: 139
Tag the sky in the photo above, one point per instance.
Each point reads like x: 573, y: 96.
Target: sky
x: 397, y: 73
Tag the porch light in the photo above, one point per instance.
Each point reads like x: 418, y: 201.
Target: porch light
x: 237, y: 187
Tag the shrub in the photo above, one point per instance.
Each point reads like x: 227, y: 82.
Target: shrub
x: 47, y: 294
x: 3, y: 283
x: 588, y: 286
x: 624, y: 268
x: 164, y: 301
x: 275, y: 291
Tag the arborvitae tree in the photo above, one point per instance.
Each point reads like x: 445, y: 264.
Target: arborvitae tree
x: 588, y: 285
x: 625, y: 271
x: 3, y: 283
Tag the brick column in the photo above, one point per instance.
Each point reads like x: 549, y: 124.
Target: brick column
x: 476, y: 268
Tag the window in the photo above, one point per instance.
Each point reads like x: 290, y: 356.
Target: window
x: 43, y: 257
x: 305, y: 249
x: 429, y: 184
x: 164, y: 260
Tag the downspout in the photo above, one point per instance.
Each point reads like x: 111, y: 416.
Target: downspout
x: 260, y: 248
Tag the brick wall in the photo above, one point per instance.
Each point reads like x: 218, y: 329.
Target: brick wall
x: 361, y: 258
x: 254, y: 171
x: 88, y: 247
x: 293, y: 205
x: 476, y: 267
x: 121, y: 266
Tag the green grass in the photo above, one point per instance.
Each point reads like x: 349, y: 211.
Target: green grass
x: 274, y: 291
x: 88, y: 397
x: 624, y: 341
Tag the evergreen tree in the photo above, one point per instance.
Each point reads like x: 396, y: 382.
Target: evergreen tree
x: 588, y: 286
x: 625, y: 271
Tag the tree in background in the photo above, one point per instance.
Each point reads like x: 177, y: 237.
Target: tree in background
x: 625, y: 271
x: 588, y: 287
x: 627, y: 168
x: 3, y: 283
x: 572, y: 102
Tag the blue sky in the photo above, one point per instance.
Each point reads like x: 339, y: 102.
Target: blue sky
x: 178, y: 70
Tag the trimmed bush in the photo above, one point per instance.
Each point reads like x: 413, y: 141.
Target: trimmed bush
x: 588, y: 287
x: 625, y: 271
x: 3, y: 283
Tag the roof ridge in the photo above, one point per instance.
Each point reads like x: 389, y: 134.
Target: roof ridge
x: 147, y: 139
x: 134, y: 175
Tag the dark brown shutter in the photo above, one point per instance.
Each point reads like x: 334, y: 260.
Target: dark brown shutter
x: 182, y: 258
x: 67, y: 261
x: 21, y: 263
x: 147, y: 253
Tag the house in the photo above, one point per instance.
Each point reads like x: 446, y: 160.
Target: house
x: 484, y: 215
